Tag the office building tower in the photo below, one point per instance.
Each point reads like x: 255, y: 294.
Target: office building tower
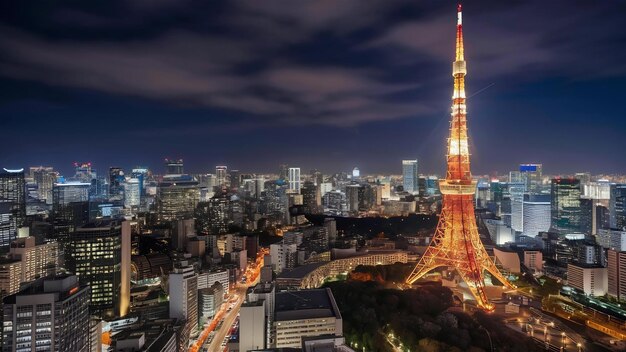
x: 305, y: 313
x: 10, y: 276
x: 116, y: 184
x: 235, y: 180
x: 221, y: 174
x: 616, y: 272
x: 70, y: 207
x: 45, y: 178
x: 352, y: 198
x: 132, y: 193
x: 174, y: 167
x: 531, y: 175
x: 38, y: 260
x: 516, y: 190
x: 536, y: 214
x: 565, y: 210
x: 410, y: 178
x: 177, y: 197
x: 12, y: 204
x: 294, y: 179
x: 311, y: 198
x: 183, y: 292
x: 99, y: 253
x: 617, y: 206
x: 51, y: 314
x: 141, y: 174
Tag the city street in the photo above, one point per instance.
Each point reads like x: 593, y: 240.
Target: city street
x: 237, y: 296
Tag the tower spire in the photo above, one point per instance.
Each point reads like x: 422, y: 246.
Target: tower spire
x: 459, y: 33
x: 456, y: 243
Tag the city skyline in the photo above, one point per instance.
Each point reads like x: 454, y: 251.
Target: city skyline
x: 342, y: 81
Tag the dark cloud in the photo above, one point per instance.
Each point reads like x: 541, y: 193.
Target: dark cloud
x: 280, y: 64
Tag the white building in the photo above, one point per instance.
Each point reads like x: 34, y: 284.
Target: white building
x: 305, y: 313
x: 533, y: 260
x: 294, y: 179
x: 590, y: 279
x: 207, y: 279
x: 132, y: 193
x: 252, y: 326
x: 37, y: 260
x: 183, y: 291
x: 283, y: 256
x: 535, y: 218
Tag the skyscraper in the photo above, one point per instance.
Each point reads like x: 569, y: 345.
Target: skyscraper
x: 12, y: 204
x: 45, y: 178
x: 410, y: 179
x: 51, y: 314
x: 566, y: 211
x: 116, y: 184
x: 183, y: 291
x: 221, y: 172
x: 456, y: 242
x: 174, y: 167
x: 617, y: 206
x: 532, y: 177
x: 99, y: 253
x: 294, y: 179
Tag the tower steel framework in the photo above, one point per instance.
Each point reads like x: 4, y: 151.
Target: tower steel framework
x: 456, y: 243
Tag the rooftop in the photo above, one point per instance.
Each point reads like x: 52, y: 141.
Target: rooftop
x: 305, y: 304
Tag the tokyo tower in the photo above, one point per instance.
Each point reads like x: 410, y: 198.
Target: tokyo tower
x: 456, y: 243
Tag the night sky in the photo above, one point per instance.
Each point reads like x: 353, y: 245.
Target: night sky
x: 316, y: 84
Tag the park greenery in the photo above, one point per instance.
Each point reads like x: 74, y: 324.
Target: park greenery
x: 379, y: 318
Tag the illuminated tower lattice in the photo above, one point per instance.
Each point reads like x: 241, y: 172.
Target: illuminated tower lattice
x: 456, y: 243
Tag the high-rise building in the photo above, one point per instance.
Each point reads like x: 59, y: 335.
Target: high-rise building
x: 311, y: 197
x: 410, y: 178
x: 116, y: 184
x: 221, y: 173
x: 10, y: 276
x: 612, y: 239
x: 70, y: 207
x: 174, y: 167
x: 616, y: 272
x: 536, y: 214
x: 294, y: 179
x: 456, y: 242
x: 617, y: 206
x: 45, y: 178
x: 99, y: 253
x: 252, y: 326
x: 38, y: 260
x: 566, y: 209
x: 177, y: 197
x: 51, y: 314
x: 532, y: 177
x: 183, y: 292
x: 12, y: 204
x: 132, y: 192
x: 352, y: 198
